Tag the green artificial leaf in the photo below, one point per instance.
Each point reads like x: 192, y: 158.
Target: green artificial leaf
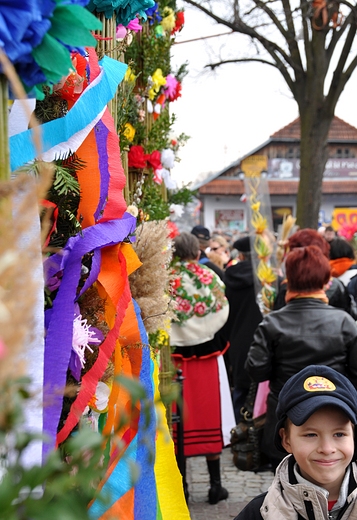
x: 80, y: 20
x: 53, y: 58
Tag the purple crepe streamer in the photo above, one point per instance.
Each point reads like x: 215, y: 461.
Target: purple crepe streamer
x: 101, y: 136
x: 58, y: 343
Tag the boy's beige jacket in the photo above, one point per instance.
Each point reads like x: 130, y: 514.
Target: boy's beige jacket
x: 287, y: 505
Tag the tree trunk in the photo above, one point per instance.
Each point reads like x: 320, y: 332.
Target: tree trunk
x: 314, y: 155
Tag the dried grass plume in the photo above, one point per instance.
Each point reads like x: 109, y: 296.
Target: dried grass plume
x: 150, y: 283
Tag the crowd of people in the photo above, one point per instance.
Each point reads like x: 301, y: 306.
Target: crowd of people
x: 306, y: 348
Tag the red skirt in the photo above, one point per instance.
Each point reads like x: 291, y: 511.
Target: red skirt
x: 201, y: 407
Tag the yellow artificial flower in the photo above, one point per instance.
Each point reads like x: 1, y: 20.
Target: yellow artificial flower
x: 265, y: 273
x: 129, y: 132
x: 259, y: 223
x: 168, y: 21
x: 255, y: 206
x: 129, y: 76
x: 158, y: 81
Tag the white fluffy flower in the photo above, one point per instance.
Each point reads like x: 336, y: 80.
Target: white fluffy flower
x: 82, y: 335
x: 176, y: 210
x: 168, y: 158
x: 166, y: 177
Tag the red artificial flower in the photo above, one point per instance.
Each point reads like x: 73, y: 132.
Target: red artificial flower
x: 136, y: 157
x: 154, y: 160
x: 173, y: 232
x: 177, y: 92
x: 72, y: 86
x: 180, y: 20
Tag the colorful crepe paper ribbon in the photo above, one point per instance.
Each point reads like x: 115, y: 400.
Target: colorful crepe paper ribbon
x: 60, y: 328
x: 158, y: 494
x: 83, y: 113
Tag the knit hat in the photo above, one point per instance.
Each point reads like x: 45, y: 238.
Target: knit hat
x: 242, y: 244
x: 309, y: 390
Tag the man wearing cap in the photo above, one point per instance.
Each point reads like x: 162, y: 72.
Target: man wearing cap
x: 317, y: 415
x: 244, y: 317
x: 204, y: 238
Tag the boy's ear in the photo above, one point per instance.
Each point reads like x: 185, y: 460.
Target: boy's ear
x: 285, y: 440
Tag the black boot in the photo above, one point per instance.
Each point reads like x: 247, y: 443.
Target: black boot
x: 216, y: 491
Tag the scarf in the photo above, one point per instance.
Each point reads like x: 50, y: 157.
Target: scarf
x: 319, y: 295
x: 340, y: 265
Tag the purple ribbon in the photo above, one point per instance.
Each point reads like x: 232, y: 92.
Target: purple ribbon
x: 59, y: 334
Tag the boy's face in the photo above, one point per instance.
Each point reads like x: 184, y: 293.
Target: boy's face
x: 323, y: 447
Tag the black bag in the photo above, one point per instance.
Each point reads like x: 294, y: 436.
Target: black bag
x: 246, y: 437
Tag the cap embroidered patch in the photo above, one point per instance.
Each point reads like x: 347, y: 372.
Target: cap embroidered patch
x: 318, y: 384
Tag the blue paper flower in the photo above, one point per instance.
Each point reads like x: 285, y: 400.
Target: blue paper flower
x: 153, y: 14
x: 38, y: 35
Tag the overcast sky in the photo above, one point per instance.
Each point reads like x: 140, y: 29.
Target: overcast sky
x: 234, y: 109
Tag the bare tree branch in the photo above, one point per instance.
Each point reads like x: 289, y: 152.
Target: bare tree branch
x: 239, y: 60
x: 272, y: 48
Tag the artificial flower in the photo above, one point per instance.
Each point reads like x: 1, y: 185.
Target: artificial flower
x: 259, y: 223
x: 129, y: 132
x: 72, y: 86
x: 166, y: 177
x: 158, y: 81
x: 265, y: 273
x: 153, y: 14
x: 348, y: 231
x: 83, y: 336
x: 99, y: 402
x: 157, y: 177
x: 179, y: 22
x: 36, y: 39
x: 171, y: 85
x: 134, y: 25
x: 141, y: 115
x: 129, y: 76
x: 255, y: 206
x: 149, y: 107
x: 173, y: 231
x: 176, y: 210
x: 168, y: 20
x: 121, y: 32
x: 154, y: 160
x: 124, y: 11
x: 159, y: 31
x: 168, y: 158
x: 136, y: 157
x: 160, y: 102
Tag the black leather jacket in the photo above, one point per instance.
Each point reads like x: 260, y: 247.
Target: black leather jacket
x: 306, y: 331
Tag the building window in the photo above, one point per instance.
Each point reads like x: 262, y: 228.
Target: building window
x: 290, y: 153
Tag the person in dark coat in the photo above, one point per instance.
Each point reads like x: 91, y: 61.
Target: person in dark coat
x: 244, y: 317
x: 336, y: 292
x: 204, y: 239
x: 307, y: 331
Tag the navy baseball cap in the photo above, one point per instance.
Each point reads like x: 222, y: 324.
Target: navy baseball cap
x: 309, y: 390
x: 201, y: 232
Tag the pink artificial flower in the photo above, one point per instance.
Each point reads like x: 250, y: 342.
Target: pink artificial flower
x: 134, y: 25
x: 348, y: 230
x: 171, y: 86
x: 121, y: 32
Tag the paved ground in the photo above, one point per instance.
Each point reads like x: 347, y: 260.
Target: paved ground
x: 242, y: 486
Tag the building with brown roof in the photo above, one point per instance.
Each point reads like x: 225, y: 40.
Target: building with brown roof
x: 222, y: 193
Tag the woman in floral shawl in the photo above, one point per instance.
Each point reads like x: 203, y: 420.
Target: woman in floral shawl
x: 198, y: 342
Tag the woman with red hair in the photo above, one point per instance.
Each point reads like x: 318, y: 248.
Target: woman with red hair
x: 335, y: 290
x: 307, y: 331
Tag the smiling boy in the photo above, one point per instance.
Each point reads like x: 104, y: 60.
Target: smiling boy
x: 317, y: 414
